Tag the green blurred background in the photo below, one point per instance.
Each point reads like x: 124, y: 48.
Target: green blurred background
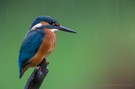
x: 100, y: 56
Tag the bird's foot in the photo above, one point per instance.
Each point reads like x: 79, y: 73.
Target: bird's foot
x: 38, y: 68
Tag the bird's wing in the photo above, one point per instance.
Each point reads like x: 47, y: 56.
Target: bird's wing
x: 30, y: 46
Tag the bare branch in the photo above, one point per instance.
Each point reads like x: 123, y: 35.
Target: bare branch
x: 37, y: 77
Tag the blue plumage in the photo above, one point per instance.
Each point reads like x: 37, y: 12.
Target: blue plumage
x: 30, y: 46
x: 43, y: 18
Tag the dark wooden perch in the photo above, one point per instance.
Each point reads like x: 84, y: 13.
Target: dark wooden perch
x: 37, y: 77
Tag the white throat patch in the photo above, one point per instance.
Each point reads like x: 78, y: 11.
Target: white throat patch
x: 54, y: 30
x: 36, y: 26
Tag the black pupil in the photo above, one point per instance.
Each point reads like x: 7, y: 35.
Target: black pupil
x: 56, y: 24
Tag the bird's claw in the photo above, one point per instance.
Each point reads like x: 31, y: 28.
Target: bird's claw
x: 38, y: 68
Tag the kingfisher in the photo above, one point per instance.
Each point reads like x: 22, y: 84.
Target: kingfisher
x: 39, y: 42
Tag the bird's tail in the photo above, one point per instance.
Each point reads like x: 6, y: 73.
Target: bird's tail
x: 20, y: 75
x: 22, y: 71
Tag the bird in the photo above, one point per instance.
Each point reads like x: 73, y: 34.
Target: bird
x: 39, y: 42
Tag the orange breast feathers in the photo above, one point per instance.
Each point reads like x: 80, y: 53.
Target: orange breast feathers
x: 45, y: 49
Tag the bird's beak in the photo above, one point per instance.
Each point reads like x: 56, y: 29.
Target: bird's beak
x: 62, y: 28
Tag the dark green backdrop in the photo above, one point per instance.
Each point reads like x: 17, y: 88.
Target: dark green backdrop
x: 100, y: 56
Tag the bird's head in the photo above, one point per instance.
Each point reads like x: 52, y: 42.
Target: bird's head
x: 48, y: 22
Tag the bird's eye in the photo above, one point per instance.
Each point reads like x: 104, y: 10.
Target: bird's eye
x: 55, y: 24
